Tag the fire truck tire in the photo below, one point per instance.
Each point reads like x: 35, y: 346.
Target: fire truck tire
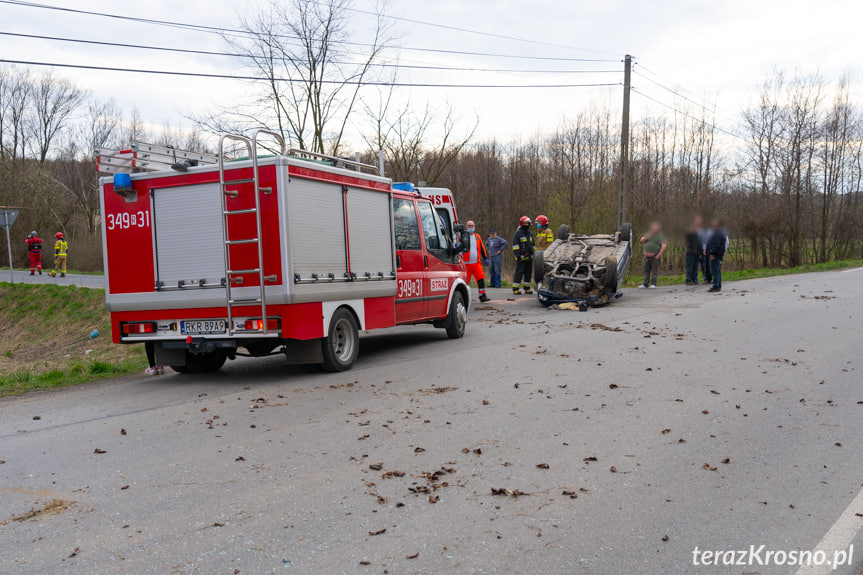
x: 201, y: 363
x: 457, y: 316
x: 341, y: 346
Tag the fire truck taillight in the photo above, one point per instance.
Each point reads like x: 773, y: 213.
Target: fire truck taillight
x: 138, y: 328
x: 273, y: 324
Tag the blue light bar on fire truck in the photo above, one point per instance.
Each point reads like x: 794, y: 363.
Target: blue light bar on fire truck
x: 404, y: 187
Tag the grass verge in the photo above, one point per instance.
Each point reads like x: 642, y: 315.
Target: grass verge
x: 729, y: 276
x: 45, y: 339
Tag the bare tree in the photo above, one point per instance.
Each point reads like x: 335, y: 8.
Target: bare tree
x: 311, y: 71
x: 406, y: 138
x: 15, y: 100
x: 54, y: 101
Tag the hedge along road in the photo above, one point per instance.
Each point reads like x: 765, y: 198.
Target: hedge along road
x: 616, y: 441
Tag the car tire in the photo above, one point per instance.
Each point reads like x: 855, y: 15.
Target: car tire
x: 610, y: 280
x: 563, y: 232
x: 341, y: 347
x: 626, y: 233
x: 202, y: 363
x: 457, y: 317
x: 538, y: 267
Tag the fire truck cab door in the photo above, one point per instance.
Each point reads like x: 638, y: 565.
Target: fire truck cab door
x: 440, y: 269
x: 410, y: 264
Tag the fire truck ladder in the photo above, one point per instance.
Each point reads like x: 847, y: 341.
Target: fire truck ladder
x: 260, y: 299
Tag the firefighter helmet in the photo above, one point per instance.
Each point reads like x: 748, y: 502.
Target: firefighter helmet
x: 525, y: 221
x: 59, y: 235
x: 542, y: 220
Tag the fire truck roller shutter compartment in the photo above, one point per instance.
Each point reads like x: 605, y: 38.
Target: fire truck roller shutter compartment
x: 370, y: 235
x: 189, y: 237
x: 322, y: 216
x: 317, y: 228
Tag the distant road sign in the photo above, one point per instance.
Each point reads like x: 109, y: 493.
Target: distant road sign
x: 7, y: 217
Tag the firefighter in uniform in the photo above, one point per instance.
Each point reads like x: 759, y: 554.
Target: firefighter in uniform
x: 34, y: 249
x: 60, y: 249
x: 475, y: 255
x: 544, y: 237
x: 523, y: 247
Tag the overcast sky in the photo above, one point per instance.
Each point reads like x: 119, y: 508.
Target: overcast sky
x: 714, y: 51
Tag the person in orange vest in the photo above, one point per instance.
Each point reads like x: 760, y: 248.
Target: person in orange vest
x: 34, y: 249
x: 60, y: 250
x: 475, y: 255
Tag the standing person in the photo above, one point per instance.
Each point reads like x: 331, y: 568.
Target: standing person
x: 544, y: 237
x: 704, y: 235
x: 717, y: 245
x: 694, y: 250
x: 654, y: 246
x: 152, y: 367
x: 474, y: 257
x: 60, y: 250
x: 34, y: 249
x: 523, y: 246
x: 495, y: 246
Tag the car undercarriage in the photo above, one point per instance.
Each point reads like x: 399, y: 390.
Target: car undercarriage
x: 587, y: 270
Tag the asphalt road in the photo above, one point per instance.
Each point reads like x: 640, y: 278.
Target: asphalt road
x: 20, y: 276
x: 673, y: 419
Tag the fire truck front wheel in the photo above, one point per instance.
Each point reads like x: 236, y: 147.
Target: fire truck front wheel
x: 457, y: 320
x: 341, y: 346
x: 201, y: 363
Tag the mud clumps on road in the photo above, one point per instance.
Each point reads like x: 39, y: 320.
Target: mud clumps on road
x: 53, y: 507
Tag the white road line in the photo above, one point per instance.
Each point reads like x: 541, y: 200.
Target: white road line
x: 839, y: 537
x: 849, y: 271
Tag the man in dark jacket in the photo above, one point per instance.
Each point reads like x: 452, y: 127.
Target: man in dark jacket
x: 694, y: 250
x: 523, y: 247
x: 717, y: 243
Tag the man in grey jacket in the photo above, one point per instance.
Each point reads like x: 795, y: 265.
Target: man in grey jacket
x: 495, y: 245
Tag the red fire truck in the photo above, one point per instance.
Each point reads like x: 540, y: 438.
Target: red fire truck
x: 291, y: 253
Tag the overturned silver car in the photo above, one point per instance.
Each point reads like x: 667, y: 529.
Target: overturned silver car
x: 586, y: 270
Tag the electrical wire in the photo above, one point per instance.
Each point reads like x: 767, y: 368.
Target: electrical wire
x: 295, y: 80
x: 477, y: 32
x: 687, y: 115
x: 246, y: 33
x: 679, y: 93
x: 247, y: 56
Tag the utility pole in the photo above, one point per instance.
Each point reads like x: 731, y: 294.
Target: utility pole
x: 624, y: 142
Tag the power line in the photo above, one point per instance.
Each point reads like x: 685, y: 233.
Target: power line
x: 477, y: 32
x: 246, y: 33
x: 679, y: 93
x: 687, y: 115
x: 296, y: 80
x: 247, y: 56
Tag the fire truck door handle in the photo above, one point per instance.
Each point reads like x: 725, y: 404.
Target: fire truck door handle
x: 398, y: 261
x: 426, y: 261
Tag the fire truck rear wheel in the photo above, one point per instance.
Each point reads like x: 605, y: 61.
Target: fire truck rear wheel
x: 457, y: 316
x: 201, y: 363
x: 341, y: 346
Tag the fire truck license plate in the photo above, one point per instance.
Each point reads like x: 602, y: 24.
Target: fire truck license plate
x: 199, y: 327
